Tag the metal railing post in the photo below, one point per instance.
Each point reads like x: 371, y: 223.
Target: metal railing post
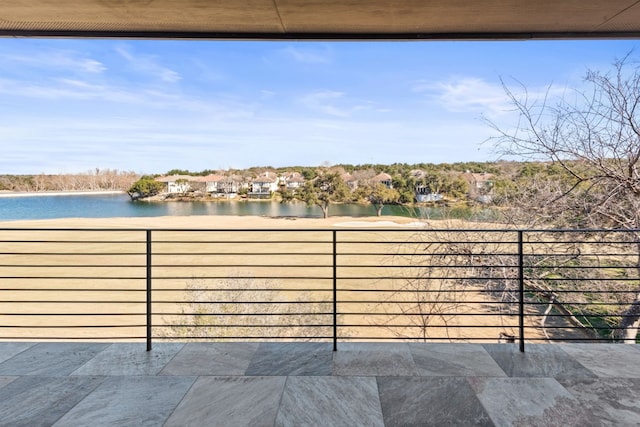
x: 521, y: 288
x: 335, y: 292
x: 149, y: 272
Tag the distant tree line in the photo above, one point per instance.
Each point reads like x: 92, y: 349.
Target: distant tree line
x: 94, y: 180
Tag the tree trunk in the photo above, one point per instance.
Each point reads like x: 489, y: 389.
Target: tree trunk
x: 630, y: 324
x: 379, y: 209
x: 325, y: 210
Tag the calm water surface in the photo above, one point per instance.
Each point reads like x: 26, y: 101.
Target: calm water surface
x: 110, y: 206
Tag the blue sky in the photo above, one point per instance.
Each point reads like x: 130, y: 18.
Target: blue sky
x: 70, y: 106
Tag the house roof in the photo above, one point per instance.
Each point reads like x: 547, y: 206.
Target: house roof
x: 293, y: 177
x: 347, y: 177
x: 266, y: 177
x: 382, y: 177
x: 322, y: 19
x: 478, y: 177
x: 233, y: 178
x: 174, y: 178
x: 210, y: 178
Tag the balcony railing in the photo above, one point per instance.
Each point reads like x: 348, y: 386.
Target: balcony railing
x: 317, y: 284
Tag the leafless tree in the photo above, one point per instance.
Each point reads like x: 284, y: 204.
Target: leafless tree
x: 593, y: 134
x: 244, y: 308
x: 447, y: 274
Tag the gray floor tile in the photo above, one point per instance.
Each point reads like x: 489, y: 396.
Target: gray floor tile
x: 407, y: 384
x: 40, y: 401
x: 230, y: 401
x: 6, y: 380
x: 538, y: 360
x: 129, y: 401
x: 330, y: 401
x: 528, y: 402
x: 281, y: 359
x: 130, y: 359
x: 454, y: 360
x: 607, y: 360
x: 10, y: 349
x: 211, y: 359
x: 51, y: 359
x: 419, y: 401
x: 374, y: 359
x: 607, y: 401
x: 373, y: 346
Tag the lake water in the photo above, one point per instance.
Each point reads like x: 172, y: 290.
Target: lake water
x: 119, y: 205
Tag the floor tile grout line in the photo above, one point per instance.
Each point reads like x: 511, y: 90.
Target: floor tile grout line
x: 415, y: 365
x: 98, y: 384
x: 284, y: 387
x: 380, y: 400
x: 72, y: 373
x: 195, y: 380
x: 20, y: 352
x: 486, y: 410
x: 159, y: 373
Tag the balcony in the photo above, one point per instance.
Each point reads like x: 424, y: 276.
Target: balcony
x: 317, y: 327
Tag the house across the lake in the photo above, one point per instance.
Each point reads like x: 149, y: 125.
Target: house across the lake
x: 264, y: 186
x: 176, y: 184
x: 292, y: 181
x: 480, y: 186
x: 424, y: 194
x: 216, y: 185
x: 384, y: 179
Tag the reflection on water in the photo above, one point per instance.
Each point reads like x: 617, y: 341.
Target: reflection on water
x: 107, y: 206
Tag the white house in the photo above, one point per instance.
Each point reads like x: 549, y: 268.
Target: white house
x: 424, y: 194
x: 480, y: 186
x: 230, y: 185
x: 212, y: 183
x: 350, y: 180
x: 384, y: 179
x: 264, y: 185
x: 292, y: 180
x: 176, y: 184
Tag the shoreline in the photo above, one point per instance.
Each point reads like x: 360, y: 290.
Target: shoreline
x: 245, y: 222
x: 9, y: 194
x: 216, y: 222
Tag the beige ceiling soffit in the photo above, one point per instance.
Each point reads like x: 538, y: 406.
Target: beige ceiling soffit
x: 322, y: 19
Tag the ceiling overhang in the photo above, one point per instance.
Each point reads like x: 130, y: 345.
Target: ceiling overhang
x: 322, y: 19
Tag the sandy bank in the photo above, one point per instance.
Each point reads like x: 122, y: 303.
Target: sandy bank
x: 249, y: 222
x: 216, y: 221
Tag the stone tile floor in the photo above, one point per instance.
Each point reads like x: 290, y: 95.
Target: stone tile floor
x: 307, y: 384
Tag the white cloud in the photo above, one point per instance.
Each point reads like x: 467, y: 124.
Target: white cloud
x: 148, y: 64
x: 150, y: 98
x: 92, y: 66
x: 266, y: 94
x: 468, y: 94
x: 62, y: 89
x: 308, y: 55
x: 322, y: 101
x: 333, y: 103
x: 56, y: 59
x: 170, y: 76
